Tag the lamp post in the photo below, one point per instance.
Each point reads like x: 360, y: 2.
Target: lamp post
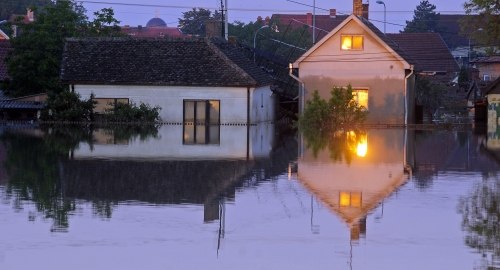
x: 254, y: 37
x: 382, y: 3
x: 470, y: 50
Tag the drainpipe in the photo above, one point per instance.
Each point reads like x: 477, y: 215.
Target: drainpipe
x: 248, y: 123
x: 302, y: 89
x: 406, y: 96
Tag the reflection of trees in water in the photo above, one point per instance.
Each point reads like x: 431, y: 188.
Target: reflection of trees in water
x: 342, y: 145
x: 480, y: 211
x: 34, y: 163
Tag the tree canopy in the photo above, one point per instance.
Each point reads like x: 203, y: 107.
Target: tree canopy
x: 35, y: 59
x: 484, y: 27
x: 425, y: 19
x: 193, y: 21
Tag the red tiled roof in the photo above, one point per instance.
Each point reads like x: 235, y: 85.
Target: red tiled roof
x: 323, y: 22
x: 487, y: 59
x: 152, y: 32
x: 451, y: 30
x: 4, y: 48
x: 428, y: 50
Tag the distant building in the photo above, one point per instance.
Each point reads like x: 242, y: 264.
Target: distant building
x: 156, y: 27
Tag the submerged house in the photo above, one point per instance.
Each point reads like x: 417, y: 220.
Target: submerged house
x: 355, y: 52
x: 198, y: 81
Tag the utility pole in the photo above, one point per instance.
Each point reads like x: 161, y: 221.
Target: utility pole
x: 226, y: 27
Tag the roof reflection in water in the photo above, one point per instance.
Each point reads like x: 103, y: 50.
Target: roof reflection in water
x: 375, y: 165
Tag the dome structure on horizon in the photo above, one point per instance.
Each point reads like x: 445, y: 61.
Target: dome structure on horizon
x: 156, y: 22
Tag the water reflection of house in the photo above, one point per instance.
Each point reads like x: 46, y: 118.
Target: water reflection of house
x: 163, y: 170
x: 351, y: 190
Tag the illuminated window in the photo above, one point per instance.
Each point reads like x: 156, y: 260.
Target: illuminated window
x: 361, y: 97
x: 351, y: 42
x: 201, y: 122
x: 350, y: 199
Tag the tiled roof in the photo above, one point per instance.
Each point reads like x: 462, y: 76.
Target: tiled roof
x: 428, y: 50
x: 323, y: 22
x: 168, y: 61
x: 138, y: 32
x: 31, y: 105
x: 451, y: 30
x: 398, y: 49
x: 487, y: 59
x: 4, y: 48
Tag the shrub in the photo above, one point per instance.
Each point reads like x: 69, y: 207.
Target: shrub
x: 68, y: 106
x: 130, y: 112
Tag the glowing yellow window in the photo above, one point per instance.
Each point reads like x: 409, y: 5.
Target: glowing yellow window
x: 361, y: 97
x: 351, y: 42
x: 350, y: 199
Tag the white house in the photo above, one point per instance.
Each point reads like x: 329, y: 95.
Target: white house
x: 198, y: 82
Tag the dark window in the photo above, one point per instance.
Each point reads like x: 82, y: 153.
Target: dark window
x: 201, y: 122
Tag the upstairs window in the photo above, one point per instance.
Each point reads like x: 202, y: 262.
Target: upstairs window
x: 351, y: 42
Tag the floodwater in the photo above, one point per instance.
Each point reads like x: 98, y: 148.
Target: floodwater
x: 237, y: 198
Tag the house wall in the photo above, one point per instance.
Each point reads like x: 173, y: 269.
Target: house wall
x: 168, y: 145
x: 373, y: 68
x: 233, y: 101
x: 491, y: 69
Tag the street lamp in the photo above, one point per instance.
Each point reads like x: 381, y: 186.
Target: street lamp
x: 254, y: 37
x: 382, y: 3
x: 470, y: 48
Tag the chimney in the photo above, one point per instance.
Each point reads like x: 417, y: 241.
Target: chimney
x: 213, y: 29
x: 333, y: 13
x: 357, y: 8
x: 365, y: 11
x: 266, y: 21
x: 309, y: 19
x: 30, y: 15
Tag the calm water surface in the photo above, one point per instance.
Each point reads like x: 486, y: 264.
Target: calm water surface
x: 150, y: 198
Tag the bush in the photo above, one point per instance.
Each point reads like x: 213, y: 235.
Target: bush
x: 68, y: 106
x: 129, y: 112
x: 339, y: 111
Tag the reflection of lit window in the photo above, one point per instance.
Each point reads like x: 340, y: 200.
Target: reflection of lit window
x: 201, y: 122
x: 362, y: 146
x: 351, y: 42
x: 361, y: 97
x: 350, y: 199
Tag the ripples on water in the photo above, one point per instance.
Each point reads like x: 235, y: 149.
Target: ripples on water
x: 131, y: 198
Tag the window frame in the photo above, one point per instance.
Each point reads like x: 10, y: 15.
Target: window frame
x: 105, y: 106
x: 195, y: 123
x: 356, y: 96
x: 342, y: 36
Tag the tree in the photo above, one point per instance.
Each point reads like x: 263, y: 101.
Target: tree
x: 340, y: 111
x: 463, y: 76
x: 68, y: 106
x: 193, y: 21
x: 35, y: 59
x: 487, y: 19
x: 424, y: 19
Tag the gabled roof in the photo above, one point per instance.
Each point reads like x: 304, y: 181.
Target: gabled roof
x: 428, y: 50
x: 487, y: 59
x: 392, y: 47
x: 491, y: 86
x: 4, y: 48
x: 148, y: 61
x: 324, y: 23
x: 138, y: 32
x: 451, y: 30
x: 3, y: 36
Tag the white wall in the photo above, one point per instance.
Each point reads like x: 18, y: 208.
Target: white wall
x: 168, y: 145
x: 233, y: 101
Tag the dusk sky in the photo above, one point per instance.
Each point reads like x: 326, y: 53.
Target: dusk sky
x: 138, y: 12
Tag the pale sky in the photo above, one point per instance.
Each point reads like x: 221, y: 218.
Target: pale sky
x: 138, y: 12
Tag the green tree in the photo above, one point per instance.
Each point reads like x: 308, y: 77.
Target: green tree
x: 68, y: 106
x: 340, y: 111
x: 425, y: 19
x: 429, y: 94
x: 486, y: 17
x: 193, y: 21
x: 463, y: 76
x: 35, y: 59
x: 130, y: 112
x: 279, y: 39
x: 9, y: 7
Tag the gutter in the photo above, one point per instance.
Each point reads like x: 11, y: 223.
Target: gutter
x: 406, y: 95
x: 302, y: 89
